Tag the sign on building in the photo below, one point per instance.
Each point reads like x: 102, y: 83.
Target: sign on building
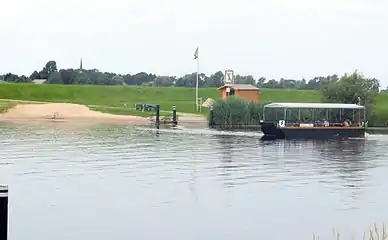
x: 229, y: 76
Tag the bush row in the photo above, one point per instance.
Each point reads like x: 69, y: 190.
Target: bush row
x: 236, y: 112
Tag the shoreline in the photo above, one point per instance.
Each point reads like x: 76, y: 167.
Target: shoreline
x: 82, y: 120
x: 25, y: 113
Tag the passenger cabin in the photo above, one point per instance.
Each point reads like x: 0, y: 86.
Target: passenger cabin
x: 246, y: 91
x: 313, y: 120
x: 315, y: 114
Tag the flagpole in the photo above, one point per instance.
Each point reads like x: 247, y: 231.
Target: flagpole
x: 196, y: 85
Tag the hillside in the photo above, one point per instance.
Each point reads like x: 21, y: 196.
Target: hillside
x: 118, y: 95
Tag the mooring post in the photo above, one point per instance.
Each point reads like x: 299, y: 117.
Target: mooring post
x: 211, y: 117
x: 3, y: 212
x: 174, y: 119
x: 157, y: 119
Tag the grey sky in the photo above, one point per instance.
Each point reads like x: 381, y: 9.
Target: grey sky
x: 276, y: 38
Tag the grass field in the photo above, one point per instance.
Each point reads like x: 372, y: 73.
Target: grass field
x: 111, y: 99
x: 117, y: 96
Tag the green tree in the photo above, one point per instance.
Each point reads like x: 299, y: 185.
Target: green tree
x: 55, y: 78
x: 245, y: 79
x: 354, y: 88
x: 261, y: 81
x: 188, y: 80
x: 10, y: 77
x: 217, y: 79
x: 142, y: 78
x: 67, y: 76
x: 271, y: 84
x: 51, y: 66
x: 117, y: 80
x: 164, y: 81
x: 81, y: 77
x: 351, y: 89
x: 34, y: 75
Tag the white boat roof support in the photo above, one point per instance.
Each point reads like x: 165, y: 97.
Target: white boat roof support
x: 314, y: 105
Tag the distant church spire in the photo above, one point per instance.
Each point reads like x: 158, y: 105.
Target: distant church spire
x: 80, y: 65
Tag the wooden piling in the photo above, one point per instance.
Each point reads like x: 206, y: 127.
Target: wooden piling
x: 157, y: 118
x: 211, y: 117
x: 3, y: 212
x: 174, y: 117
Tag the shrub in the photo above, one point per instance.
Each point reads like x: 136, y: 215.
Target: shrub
x: 236, y: 112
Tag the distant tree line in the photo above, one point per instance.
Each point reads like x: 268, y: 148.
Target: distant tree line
x: 52, y: 75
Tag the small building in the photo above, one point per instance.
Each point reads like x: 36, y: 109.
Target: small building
x: 246, y: 91
x: 39, y: 81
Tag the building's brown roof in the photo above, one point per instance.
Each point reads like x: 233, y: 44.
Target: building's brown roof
x: 240, y: 86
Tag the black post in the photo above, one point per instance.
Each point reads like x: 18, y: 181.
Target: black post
x: 157, y: 119
x: 3, y: 212
x: 174, y: 119
x: 211, y: 117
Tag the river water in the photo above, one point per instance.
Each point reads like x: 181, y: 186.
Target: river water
x: 112, y: 182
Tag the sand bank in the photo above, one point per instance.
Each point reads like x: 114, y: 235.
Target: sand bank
x: 64, y: 112
x: 75, y: 113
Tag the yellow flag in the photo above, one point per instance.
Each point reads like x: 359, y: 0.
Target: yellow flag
x: 196, y: 54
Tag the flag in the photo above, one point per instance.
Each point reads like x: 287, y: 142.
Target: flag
x: 196, y: 54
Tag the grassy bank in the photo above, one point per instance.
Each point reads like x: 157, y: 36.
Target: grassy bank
x: 108, y: 98
x: 111, y: 99
x: 117, y: 96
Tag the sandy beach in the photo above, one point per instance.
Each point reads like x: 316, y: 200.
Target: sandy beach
x: 75, y: 113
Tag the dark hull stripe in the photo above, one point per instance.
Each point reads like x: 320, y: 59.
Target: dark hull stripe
x: 271, y: 130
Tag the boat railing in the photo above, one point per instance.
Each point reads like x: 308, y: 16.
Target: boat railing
x: 317, y: 123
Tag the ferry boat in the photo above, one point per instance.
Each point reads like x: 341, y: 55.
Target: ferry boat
x: 313, y: 121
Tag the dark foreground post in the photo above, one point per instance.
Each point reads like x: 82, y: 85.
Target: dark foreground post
x: 211, y: 117
x: 3, y: 212
x: 157, y: 118
x: 174, y: 119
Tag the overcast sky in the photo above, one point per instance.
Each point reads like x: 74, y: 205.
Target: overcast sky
x: 271, y: 38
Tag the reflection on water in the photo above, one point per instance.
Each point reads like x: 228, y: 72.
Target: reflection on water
x: 132, y: 183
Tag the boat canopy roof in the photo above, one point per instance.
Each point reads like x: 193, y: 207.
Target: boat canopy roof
x: 314, y: 105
